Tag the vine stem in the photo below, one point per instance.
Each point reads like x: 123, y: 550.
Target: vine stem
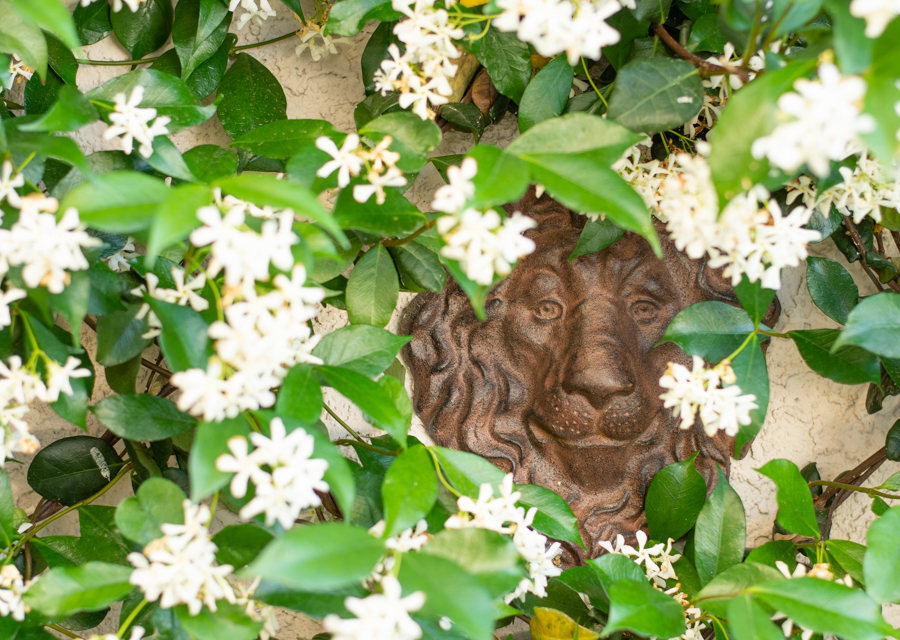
x: 365, y: 445
x: 850, y: 487
x: 706, y: 68
x: 440, y: 474
x: 593, y: 86
x: 409, y: 238
x: 741, y: 348
x: 134, y: 614
x: 63, y: 631
x: 33, y: 530
x: 116, y: 63
x: 343, y: 424
x: 244, y: 47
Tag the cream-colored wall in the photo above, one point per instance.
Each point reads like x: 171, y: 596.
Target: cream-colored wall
x: 809, y: 418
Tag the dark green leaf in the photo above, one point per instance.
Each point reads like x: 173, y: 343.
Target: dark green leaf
x: 21, y: 36
x: 754, y: 298
x: 882, y: 559
x: 119, y: 336
x: 465, y: 117
x: 7, y: 508
x: 210, y: 442
x: 198, y: 31
x: 752, y: 378
x: 892, y: 443
x: 831, y: 287
x: 638, y: 607
x: 284, y: 138
x: 369, y: 397
x: 507, y: 62
x: 92, y: 587
x: 145, y: 30
x: 92, y: 22
x: 554, y: 517
x: 229, y: 621
x: 317, y: 605
x: 363, y: 348
x: 71, y: 112
x: 770, y: 552
x: 419, y: 267
x: 850, y: 557
x: 847, y: 365
x: 373, y: 288
x: 318, y: 558
x: 209, y: 162
x: 655, y: 94
x: 40, y: 96
x: 712, y: 330
x: 395, y: 217
x: 547, y: 94
x: 409, y: 491
x: 874, y: 325
x: 72, y: 469
x: 501, y: 177
x: 183, y: 341
x: 377, y: 50
x: 674, y: 500
x: 749, y: 621
x: 142, y: 417
x: 249, y: 97
x: 239, y: 544
x: 824, y: 224
x: 156, y: 502
x: 596, y: 236
x: 300, y: 396
x: 719, y: 534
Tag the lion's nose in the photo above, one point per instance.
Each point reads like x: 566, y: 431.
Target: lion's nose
x: 599, y: 373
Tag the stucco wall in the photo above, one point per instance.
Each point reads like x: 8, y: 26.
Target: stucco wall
x: 809, y: 418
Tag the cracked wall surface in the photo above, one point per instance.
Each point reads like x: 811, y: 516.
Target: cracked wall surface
x: 809, y: 419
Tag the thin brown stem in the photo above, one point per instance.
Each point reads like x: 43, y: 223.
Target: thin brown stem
x: 861, y: 249
x: 264, y: 42
x: 851, y: 487
x: 706, y: 68
x: 365, y: 445
x: 879, y: 242
x: 409, y: 238
x: 155, y: 368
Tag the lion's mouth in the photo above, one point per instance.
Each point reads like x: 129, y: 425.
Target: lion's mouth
x: 620, y: 419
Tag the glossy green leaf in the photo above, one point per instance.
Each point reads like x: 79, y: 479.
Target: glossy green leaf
x: 575, y: 133
x: 21, y: 36
x: 720, y: 532
x: 347, y: 17
x: 874, y: 325
x: 465, y: 117
x: 176, y: 217
x: 712, y: 330
x: 363, y: 348
x: 301, y: 395
x: 229, y: 621
x: 882, y: 558
x: 772, y: 551
x: 488, y: 555
x: 209, y: 162
x: 795, y: 504
x: 52, y: 16
x: 64, y: 591
x: 892, y: 443
x: 752, y: 378
x: 92, y: 22
x: 674, y: 500
x: 655, y: 94
x: 754, y: 298
x: 501, y: 177
x: 467, y: 472
x: 199, y: 29
x: 847, y: 365
x: 554, y: 517
x: 831, y: 287
x: 69, y: 113
x: 156, y: 502
x: 121, y: 201
x: 373, y: 288
x: 547, y: 94
x: 72, y: 469
x: 7, y: 509
x: 409, y: 491
x: 119, y: 336
x: 749, y: 621
x: 183, y: 341
x: 283, y: 138
x: 419, y: 267
x: 142, y: 417
x: 850, y: 556
x: 210, y: 442
x: 395, y: 217
x: 239, y: 544
x: 249, y: 96
x: 507, y: 62
x: 732, y: 582
x: 326, y: 556
x: 145, y: 30
x: 596, y: 236
x: 638, y: 607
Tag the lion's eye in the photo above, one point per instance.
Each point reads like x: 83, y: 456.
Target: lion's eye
x: 645, y: 310
x: 547, y: 310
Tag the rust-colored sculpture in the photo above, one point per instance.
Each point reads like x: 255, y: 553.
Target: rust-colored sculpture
x: 560, y: 385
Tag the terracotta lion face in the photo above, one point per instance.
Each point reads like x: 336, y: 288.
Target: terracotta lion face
x: 560, y: 385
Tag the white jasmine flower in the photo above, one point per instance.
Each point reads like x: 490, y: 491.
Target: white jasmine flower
x: 180, y: 567
x: 20, y: 385
x: 380, y: 616
x: 9, y: 184
x: 819, y: 123
x: 878, y: 14
x: 205, y: 394
x: 133, y: 123
x: 720, y: 408
x: 17, y: 69
x: 620, y: 547
x: 409, y: 539
x: 118, y: 261
x: 133, y: 5
x: 6, y: 298
x: 183, y: 294
x: 445, y: 623
x: 451, y: 198
x: 301, y: 300
x: 12, y: 587
x: 863, y: 192
x: 393, y: 177
x: 345, y: 160
x: 254, y: 13
x: 309, y: 33
x: 488, y: 512
x: 532, y: 546
x: 59, y: 378
x: 137, y: 633
x: 257, y: 611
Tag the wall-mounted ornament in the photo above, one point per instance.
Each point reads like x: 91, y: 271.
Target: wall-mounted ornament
x: 560, y: 384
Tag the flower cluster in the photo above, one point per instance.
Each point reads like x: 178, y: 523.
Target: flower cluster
x: 184, y: 293
x: 578, y: 29
x: 411, y: 539
x: 819, y: 123
x: 646, y: 177
x: 658, y: 563
x: 288, y: 486
x: 503, y: 516
x: 380, y: 616
x: 180, y: 567
x: 12, y: 586
x: 720, y: 408
x: 133, y: 123
x: 118, y: 261
x: 380, y: 165
x: 309, y: 33
x: 258, y: 612
x: 878, y: 14
x: 751, y: 237
x: 421, y: 73
x: 481, y: 241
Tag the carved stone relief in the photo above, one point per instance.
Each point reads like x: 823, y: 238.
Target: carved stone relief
x: 560, y: 385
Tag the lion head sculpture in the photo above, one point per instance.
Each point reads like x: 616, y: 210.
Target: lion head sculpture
x: 560, y: 384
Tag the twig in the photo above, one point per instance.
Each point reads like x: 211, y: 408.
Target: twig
x: 155, y: 368
x: 706, y: 68
x: 861, y: 249
x: 896, y: 237
x: 365, y: 445
x: 400, y: 241
x: 855, y: 477
x: 342, y: 423
x: 115, y: 63
x: 855, y: 488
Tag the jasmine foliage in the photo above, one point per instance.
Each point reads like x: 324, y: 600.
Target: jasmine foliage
x: 201, y: 271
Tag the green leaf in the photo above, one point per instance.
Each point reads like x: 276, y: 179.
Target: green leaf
x: 156, y: 502
x: 239, y: 544
x: 826, y: 607
x: 575, y: 133
x: 176, y: 217
x: 882, y: 94
x: 183, y: 341
x: 92, y: 587
x: 488, y: 555
x: 720, y: 532
x: 7, y: 509
x: 751, y: 114
x: 69, y: 113
x: 554, y: 517
x: 850, y: 556
x: 21, y: 36
x: 229, y: 621
x: 169, y: 95
x: 199, y: 29
x: 853, y: 48
x: 749, y: 621
x: 507, y: 62
x: 409, y: 491
x: 547, y: 94
x: 266, y: 190
x: 501, y: 177
x: 674, y: 500
x: 347, y: 17
x: 363, y: 348
x: 831, y: 288
x: 636, y: 606
x: 72, y: 469
x: 99, y: 540
x: 456, y: 594
x: 653, y: 10
x: 466, y: 471
x: 882, y: 559
x: 375, y: 52
x: 411, y: 137
x: 595, y: 237
x: 40, y: 96
x: 300, y: 396
x: 57, y: 147
x: 795, y: 504
x: 419, y: 267
x: 770, y: 552
x: 373, y: 288
x: 847, y: 365
x: 284, y: 138
x: 145, y: 30
x: 733, y: 581
x: 370, y: 397
x: 892, y: 443
x: 167, y: 160
x: 752, y: 378
x: 339, y: 474
x: 395, y: 217
x: 655, y: 94
x: 119, y: 336
x: 712, y: 330
x: 754, y: 298
x: 92, y: 22
x: 209, y: 162
x: 120, y: 201
x: 210, y: 442
x: 465, y: 117
x: 874, y: 325
x: 52, y: 16
x: 142, y: 417
x: 249, y: 96
x: 323, y: 557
